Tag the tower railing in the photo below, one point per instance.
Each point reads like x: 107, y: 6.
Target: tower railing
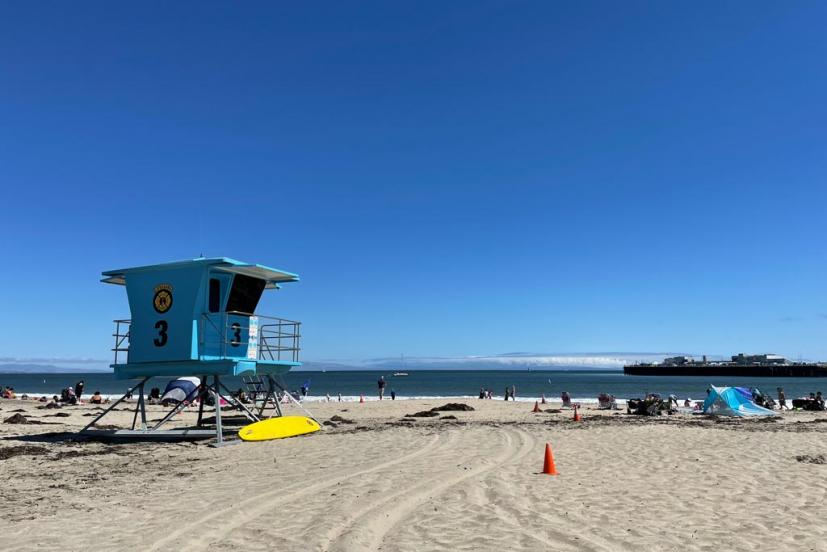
x: 278, y: 338
x: 121, y: 336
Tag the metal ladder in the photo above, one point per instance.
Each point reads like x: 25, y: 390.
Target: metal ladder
x: 262, y: 391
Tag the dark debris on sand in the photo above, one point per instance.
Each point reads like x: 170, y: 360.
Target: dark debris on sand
x: 423, y: 414
x: 453, y: 407
x: 450, y: 407
x: 338, y: 419
x: 18, y: 419
x: 79, y: 453
x: 22, y: 450
x: 811, y: 459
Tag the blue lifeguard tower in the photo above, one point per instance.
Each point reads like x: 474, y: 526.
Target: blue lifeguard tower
x: 196, y: 318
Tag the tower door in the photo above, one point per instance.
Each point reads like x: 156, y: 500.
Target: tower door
x: 213, y: 324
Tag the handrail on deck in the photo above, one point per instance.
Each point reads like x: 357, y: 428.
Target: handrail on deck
x: 277, y: 340
x: 121, y: 338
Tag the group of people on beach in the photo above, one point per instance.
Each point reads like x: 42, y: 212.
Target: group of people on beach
x: 74, y: 395
x: 510, y: 392
x: 381, y: 384
x: 814, y: 402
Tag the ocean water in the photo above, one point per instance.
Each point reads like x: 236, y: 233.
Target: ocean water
x: 583, y: 385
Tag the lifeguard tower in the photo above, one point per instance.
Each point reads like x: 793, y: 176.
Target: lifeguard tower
x: 197, y: 318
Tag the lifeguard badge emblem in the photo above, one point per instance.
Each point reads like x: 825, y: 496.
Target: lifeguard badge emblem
x: 162, y: 300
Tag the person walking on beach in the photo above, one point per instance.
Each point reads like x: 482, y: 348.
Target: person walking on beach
x: 513, y: 392
x: 506, y: 392
x: 381, y: 385
x: 79, y: 389
x: 782, y: 399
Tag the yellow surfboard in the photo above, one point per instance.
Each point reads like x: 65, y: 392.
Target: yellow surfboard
x: 278, y: 428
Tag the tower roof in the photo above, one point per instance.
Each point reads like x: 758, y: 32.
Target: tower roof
x: 272, y: 276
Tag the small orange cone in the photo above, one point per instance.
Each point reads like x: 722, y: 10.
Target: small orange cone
x: 548, y: 464
x: 577, y: 416
x: 543, y: 398
x: 536, y: 407
x: 361, y: 399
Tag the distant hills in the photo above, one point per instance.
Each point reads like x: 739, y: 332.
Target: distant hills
x: 507, y: 361
x: 26, y: 368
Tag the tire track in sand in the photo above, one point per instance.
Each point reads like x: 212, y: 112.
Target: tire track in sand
x: 510, y: 515
x: 246, y: 510
x: 588, y: 541
x: 411, y: 498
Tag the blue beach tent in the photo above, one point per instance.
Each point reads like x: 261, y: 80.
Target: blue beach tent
x: 181, y: 389
x: 730, y: 401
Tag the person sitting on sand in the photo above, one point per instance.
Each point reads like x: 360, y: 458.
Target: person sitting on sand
x: 70, y: 397
x: 96, y: 398
x: 155, y: 395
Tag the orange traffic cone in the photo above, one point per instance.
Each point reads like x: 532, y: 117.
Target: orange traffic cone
x: 548, y: 464
x: 577, y: 416
x: 543, y: 398
x: 536, y: 407
x: 361, y: 398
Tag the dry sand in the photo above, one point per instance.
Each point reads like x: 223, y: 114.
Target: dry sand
x: 678, y: 482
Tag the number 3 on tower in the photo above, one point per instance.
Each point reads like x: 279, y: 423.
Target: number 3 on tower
x: 161, y: 340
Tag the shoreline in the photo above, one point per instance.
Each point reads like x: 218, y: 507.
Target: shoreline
x: 33, y: 397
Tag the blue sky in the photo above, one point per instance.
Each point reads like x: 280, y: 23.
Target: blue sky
x: 448, y: 178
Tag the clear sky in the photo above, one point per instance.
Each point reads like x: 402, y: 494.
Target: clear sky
x: 448, y: 178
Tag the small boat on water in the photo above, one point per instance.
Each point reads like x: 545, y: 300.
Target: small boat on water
x: 402, y: 373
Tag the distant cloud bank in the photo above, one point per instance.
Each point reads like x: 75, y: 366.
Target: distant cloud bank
x: 509, y: 361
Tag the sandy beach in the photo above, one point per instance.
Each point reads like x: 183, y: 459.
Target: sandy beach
x: 381, y: 482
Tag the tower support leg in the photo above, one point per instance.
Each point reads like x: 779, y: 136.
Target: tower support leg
x: 219, y: 434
